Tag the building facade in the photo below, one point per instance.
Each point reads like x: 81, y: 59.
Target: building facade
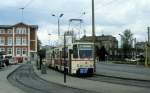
x: 19, y: 40
x: 108, y: 41
x: 140, y: 45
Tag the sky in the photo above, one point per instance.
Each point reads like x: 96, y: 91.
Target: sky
x: 112, y: 17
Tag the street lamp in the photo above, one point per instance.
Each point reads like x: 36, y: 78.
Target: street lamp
x: 58, y: 18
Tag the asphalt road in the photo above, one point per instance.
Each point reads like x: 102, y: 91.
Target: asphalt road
x: 120, y: 81
x: 123, y: 70
x: 26, y: 79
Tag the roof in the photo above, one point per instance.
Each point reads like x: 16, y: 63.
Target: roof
x: 99, y: 38
x: 19, y: 24
x: 5, y: 26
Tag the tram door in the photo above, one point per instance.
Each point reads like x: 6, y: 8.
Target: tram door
x: 70, y: 59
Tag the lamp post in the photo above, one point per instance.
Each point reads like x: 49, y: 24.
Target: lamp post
x: 58, y: 18
x: 65, y: 63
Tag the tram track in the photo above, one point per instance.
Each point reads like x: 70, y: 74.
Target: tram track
x: 115, y: 80
x: 26, y: 79
x: 20, y: 81
x: 120, y: 80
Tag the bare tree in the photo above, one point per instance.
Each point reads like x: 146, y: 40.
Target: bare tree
x: 127, y: 42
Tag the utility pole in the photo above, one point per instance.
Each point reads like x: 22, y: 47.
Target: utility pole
x: 93, y: 34
x: 147, y: 58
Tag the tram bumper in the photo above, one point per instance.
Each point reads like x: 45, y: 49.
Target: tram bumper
x: 85, y: 71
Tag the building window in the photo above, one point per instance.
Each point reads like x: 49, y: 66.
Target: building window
x: 24, y: 41
x: 21, y: 31
x: 18, y: 31
x: 9, y: 40
x: 18, y: 51
x: 9, y: 50
x: 9, y: 31
x: 2, y: 40
x: 24, y: 51
x: 24, y: 31
x: 18, y: 40
x: 2, y: 49
x: 2, y: 31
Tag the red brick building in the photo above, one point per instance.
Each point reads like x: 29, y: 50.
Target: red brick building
x: 19, y: 40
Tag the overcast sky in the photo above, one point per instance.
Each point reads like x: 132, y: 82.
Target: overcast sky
x: 112, y: 16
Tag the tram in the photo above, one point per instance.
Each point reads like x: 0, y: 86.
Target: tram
x: 76, y: 57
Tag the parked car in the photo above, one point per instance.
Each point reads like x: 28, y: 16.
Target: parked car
x: 12, y: 61
x: 132, y: 59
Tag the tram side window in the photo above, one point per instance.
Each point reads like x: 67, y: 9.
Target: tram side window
x: 75, y: 51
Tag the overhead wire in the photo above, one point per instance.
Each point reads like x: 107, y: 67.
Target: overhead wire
x: 22, y: 9
x: 28, y: 3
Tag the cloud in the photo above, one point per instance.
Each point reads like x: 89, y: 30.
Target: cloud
x: 111, y: 16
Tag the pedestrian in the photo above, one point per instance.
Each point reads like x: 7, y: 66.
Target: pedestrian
x: 6, y: 62
x: 103, y: 54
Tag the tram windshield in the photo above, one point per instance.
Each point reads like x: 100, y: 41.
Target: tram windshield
x: 85, y: 51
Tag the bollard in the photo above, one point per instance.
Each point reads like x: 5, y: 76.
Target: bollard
x: 43, y: 68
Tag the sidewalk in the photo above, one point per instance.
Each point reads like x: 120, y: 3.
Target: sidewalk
x: 5, y: 86
x: 100, y: 87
